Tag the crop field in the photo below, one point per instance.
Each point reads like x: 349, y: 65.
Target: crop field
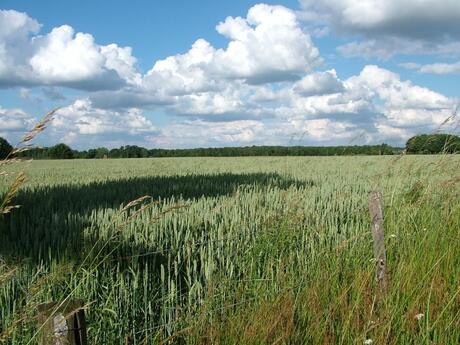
x: 251, y: 250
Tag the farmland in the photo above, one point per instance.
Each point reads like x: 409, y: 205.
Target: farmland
x: 250, y: 250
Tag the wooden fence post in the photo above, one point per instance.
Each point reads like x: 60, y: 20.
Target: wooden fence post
x: 62, y: 324
x: 376, y: 211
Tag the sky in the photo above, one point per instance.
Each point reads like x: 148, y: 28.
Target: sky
x: 181, y: 74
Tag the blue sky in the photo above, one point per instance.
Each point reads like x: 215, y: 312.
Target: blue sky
x: 218, y: 73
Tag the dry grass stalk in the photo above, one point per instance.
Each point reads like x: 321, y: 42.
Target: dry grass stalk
x: 24, y: 145
x: 38, y: 128
x: 6, y: 206
x: 135, y: 202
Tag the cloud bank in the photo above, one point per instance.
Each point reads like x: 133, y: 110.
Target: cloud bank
x: 390, y: 27
x: 268, y: 85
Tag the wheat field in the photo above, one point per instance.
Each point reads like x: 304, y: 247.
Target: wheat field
x: 250, y: 250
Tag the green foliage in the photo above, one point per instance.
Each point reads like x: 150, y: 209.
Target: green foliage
x: 433, y: 143
x: 5, y: 148
x: 60, y: 151
x: 382, y: 149
x: 250, y: 250
x: 132, y: 151
x: 129, y: 152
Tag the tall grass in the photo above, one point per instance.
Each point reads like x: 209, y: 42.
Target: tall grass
x: 6, y: 203
x: 236, y: 251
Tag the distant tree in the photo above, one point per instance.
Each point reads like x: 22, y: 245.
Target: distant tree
x: 80, y: 154
x: 130, y: 151
x: 60, y: 151
x: 114, y: 153
x: 433, y: 143
x: 98, y: 153
x: 386, y: 149
x: 5, y: 148
x: 102, y: 152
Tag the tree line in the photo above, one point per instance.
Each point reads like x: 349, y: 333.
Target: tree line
x: 420, y: 144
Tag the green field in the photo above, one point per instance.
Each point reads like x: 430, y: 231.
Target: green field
x: 254, y: 250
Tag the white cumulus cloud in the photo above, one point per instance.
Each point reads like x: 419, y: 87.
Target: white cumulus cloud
x: 14, y: 123
x: 267, y: 46
x: 319, y: 83
x: 14, y: 120
x: 81, y: 121
x: 61, y: 57
x: 402, y: 102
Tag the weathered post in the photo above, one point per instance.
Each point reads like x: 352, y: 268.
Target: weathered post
x: 62, y: 324
x: 376, y: 211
